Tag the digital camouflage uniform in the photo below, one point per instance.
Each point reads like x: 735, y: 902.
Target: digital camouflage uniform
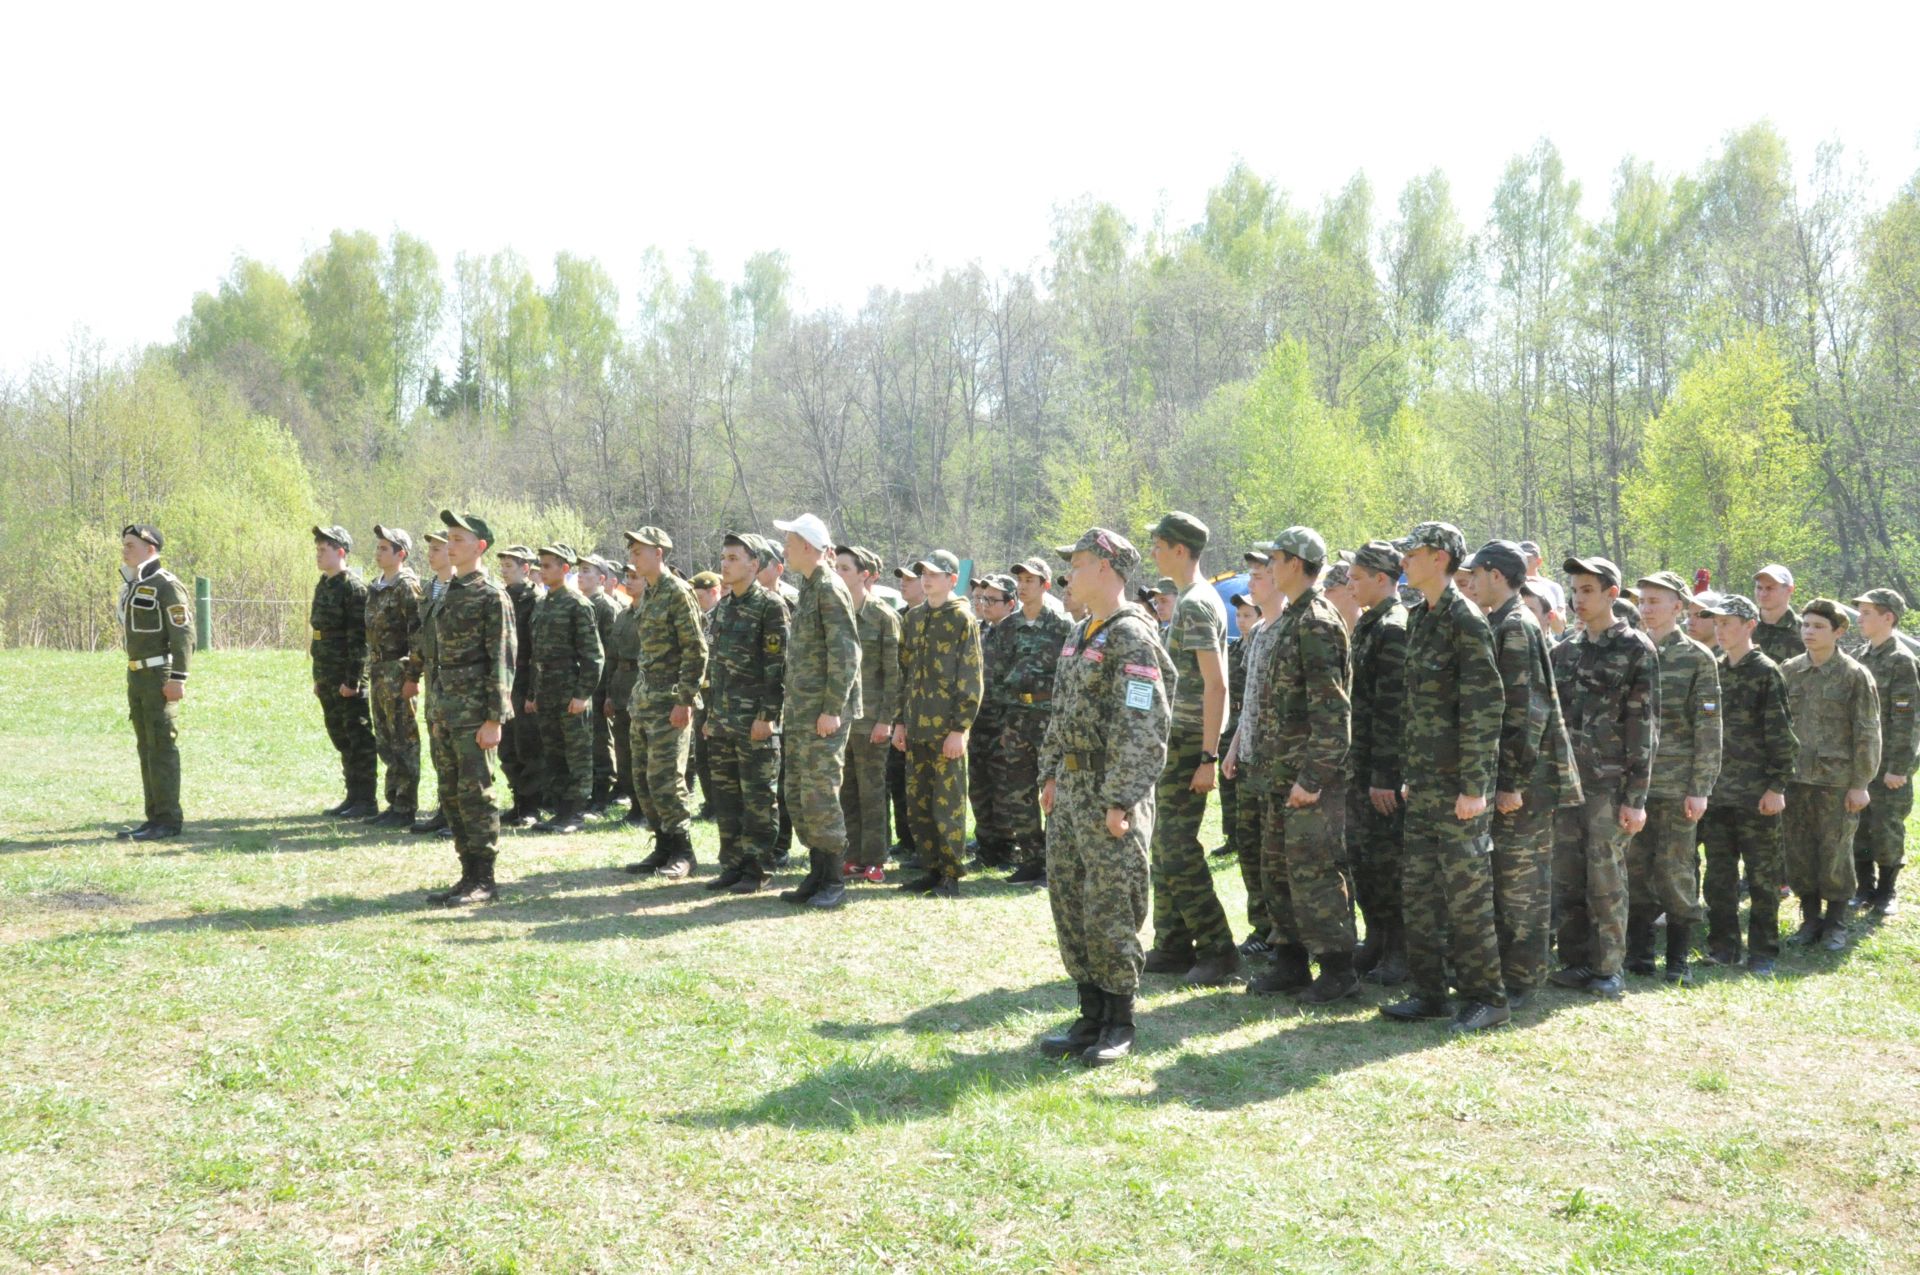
x: 623, y: 669
x: 940, y: 690
x: 863, y: 789
x: 1252, y: 815
x: 467, y: 650
x: 1610, y: 696
x: 1105, y: 747
x: 1836, y: 717
x: 746, y: 682
x: 1780, y: 641
x: 521, y: 756
x: 1374, y: 840
x: 156, y: 628
x: 566, y: 666
x: 1881, y: 842
x: 672, y: 646
x: 1663, y: 859
x: 982, y: 739
x: 1186, y: 911
x: 393, y: 613
x: 599, y: 721
x: 1757, y: 755
x: 338, y: 618
x: 1025, y: 682
x: 1229, y: 789
x: 823, y: 679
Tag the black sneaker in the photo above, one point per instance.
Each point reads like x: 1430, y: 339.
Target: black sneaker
x: 1610, y: 986
x: 1574, y: 978
x: 133, y: 833
x: 1256, y: 945
x: 1477, y: 1017
x: 1028, y: 874
x: 1416, y: 1009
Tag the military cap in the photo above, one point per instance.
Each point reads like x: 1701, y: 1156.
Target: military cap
x: 519, y: 553
x: 937, y: 560
x: 1704, y: 601
x: 1378, y: 555
x: 469, y: 522
x: 394, y: 536
x: 1668, y: 580
x: 335, y: 535
x: 141, y: 531
x: 1060, y: 581
x: 742, y: 538
x: 1036, y: 567
x: 650, y: 536
x: 907, y: 571
x: 704, y: 580
x: 1242, y: 600
x: 1303, y: 543
x: 1143, y: 595
x: 1531, y: 548
x: 1177, y: 528
x: 809, y: 527
x: 440, y: 538
x: 562, y: 551
x: 1885, y: 599
x: 1254, y: 555
x: 1537, y: 589
x: 1004, y: 583
x: 1777, y: 573
x: 1596, y: 566
x: 1111, y: 545
x: 1826, y: 607
x: 1503, y: 556
x: 869, y: 560
x: 1166, y: 585
x: 1736, y: 605
x: 1336, y: 575
x: 1434, y: 535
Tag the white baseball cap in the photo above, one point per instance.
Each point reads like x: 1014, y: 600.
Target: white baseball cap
x: 1776, y: 573
x: 809, y: 528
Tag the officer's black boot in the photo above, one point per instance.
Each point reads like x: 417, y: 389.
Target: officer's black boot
x: 458, y: 887
x: 1679, y: 952
x: 728, y: 878
x: 481, y: 889
x: 1884, y: 904
x: 1116, y: 1032
x: 1640, y: 941
x: 1337, y: 980
x: 1084, y: 1031
x: 1810, y: 926
x: 1287, y: 971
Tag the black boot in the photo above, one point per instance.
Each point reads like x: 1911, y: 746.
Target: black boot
x: 1679, y: 952
x: 728, y: 878
x: 1373, y: 945
x: 810, y: 885
x: 566, y: 819
x: 1084, y: 1032
x: 1640, y: 942
x: 430, y: 825
x: 1864, y: 887
x: 1170, y: 958
x: 1337, y: 980
x: 1391, y: 971
x: 1884, y: 904
x: 1810, y: 926
x: 1834, y: 934
x: 1287, y: 971
x: 481, y: 888
x: 680, y: 860
x: 360, y: 805
x: 1116, y: 1032
x: 831, y: 892
x: 662, y: 851
x: 340, y: 808
x: 458, y: 887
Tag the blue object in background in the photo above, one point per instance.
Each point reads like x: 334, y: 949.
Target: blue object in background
x: 1227, y: 586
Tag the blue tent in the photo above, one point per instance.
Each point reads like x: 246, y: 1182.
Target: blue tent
x: 1227, y: 586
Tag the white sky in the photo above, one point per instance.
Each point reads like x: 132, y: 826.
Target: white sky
x: 147, y: 146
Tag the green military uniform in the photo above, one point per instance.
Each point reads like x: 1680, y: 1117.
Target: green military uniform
x: 521, y: 755
x: 623, y: 666
x: 1374, y: 841
x: 823, y: 679
x: 599, y: 720
x: 156, y: 628
x: 1229, y: 788
x: 746, y: 683
x: 995, y: 850
x: 863, y: 790
x: 941, y: 686
x: 1780, y: 639
x: 1880, y: 846
x: 567, y: 657
x: 1025, y: 691
x: 338, y: 617
x: 1836, y: 715
x: 1250, y: 834
x: 672, y: 646
x: 393, y: 613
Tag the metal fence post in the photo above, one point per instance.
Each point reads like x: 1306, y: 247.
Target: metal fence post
x: 202, y: 614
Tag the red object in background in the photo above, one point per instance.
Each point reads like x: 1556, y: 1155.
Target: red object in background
x: 1701, y: 579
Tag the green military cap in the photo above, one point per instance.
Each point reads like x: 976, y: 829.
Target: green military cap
x: 439, y: 538
x: 1177, y: 528
x: 1736, y: 605
x: 705, y: 580
x: 1668, y: 580
x: 650, y: 536
x: 394, y: 536
x: 939, y: 560
x: 335, y: 535
x: 1503, y: 556
x: 1703, y: 601
x: 468, y: 522
x: 868, y: 559
x: 1885, y: 599
x: 1035, y: 567
x: 1336, y: 575
x: 1434, y: 535
x: 1596, y: 566
x: 1166, y: 585
x: 1828, y: 608
x: 1254, y: 555
x: 907, y: 571
x: 1303, y: 543
x: 519, y: 553
x: 1004, y: 583
x: 1378, y: 555
x: 562, y: 551
x: 1111, y: 545
x: 141, y: 531
x: 742, y: 538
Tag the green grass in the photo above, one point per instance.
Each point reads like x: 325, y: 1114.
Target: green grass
x: 254, y: 1049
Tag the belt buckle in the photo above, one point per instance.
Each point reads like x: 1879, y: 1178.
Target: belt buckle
x: 134, y: 666
x: 318, y: 636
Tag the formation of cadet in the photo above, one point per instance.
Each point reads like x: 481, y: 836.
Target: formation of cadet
x: 1486, y: 767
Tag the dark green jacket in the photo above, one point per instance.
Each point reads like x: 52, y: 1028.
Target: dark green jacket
x: 1836, y: 716
x: 879, y: 629
x: 1536, y: 757
x: 1610, y: 694
x: 156, y: 619
x: 823, y: 651
x: 470, y: 668
x: 1450, y: 742
x: 393, y: 613
x: 1306, y: 728
x: 1759, y: 748
x: 567, y: 656
x: 1896, y: 679
x: 1687, y: 762
x: 1780, y: 641
x: 672, y: 645
x: 747, y: 659
x: 1379, y: 695
x: 338, y: 618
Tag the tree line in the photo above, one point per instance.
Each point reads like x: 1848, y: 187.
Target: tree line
x: 1719, y: 371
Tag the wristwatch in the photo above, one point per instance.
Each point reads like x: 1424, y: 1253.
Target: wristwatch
x: 1208, y: 759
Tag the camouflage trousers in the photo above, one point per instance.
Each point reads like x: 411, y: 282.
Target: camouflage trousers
x: 814, y: 768
x: 937, y: 806
x: 600, y: 732
x: 1013, y: 774
x: 396, y: 734
x: 981, y: 798
x: 1882, y: 838
x: 1590, y: 882
x: 1374, y: 849
x: 351, y: 730
x: 745, y: 773
x: 897, y: 792
x: 520, y: 755
x: 1185, y: 908
x: 863, y: 797
x: 465, y: 774
x: 1817, y: 839
x: 1523, y: 892
x: 624, y: 784
x: 1303, y: 874
x: 1447, y: 901
x: 1097, y: 885
x: 1736, y: 834
x: 1250, y: 816
x: 1663, y: 866
x: 659, y: 752
x: 1229, y: 791
x: 566, y: 741
x: 702, y: 767
x: 156, y: 735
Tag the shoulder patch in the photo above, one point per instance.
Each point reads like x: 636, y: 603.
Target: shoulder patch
x: 1151, y: 672
x: 177, y: 616
x: 1139, y: 693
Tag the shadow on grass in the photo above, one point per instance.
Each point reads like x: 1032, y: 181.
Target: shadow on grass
x: 274, y: 833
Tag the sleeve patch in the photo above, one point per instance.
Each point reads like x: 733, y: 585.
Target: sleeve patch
x: 146, y: 591
x: 1139, y: 694
x: 1902, y: 705
x: 1709, y: 707
x: 1093, y: 653
x: 1149, y: 671
x: 177, y: 616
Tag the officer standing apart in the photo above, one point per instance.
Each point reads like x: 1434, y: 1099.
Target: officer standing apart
x: 1881, y: 845
x: 746, y: 684
x: 156, y: 626
x: 941, y: 686
x: 339, y: 651
x: 1103, y: 755
x: 566, y: 669
x: 393, y: 613
x: 1035, y: 634
x: 672, y: 645
x: 863, y: 786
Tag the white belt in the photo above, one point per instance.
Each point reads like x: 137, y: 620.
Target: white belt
x: 151, y: 662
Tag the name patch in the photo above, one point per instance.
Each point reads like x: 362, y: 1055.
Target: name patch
x: 1139, y: 694
x: 1149, y: 671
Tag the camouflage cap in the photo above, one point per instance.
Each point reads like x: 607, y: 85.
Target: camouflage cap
x: 1177, y: 528
x: 1303, y: 543
x: 1668, y: 580
x: 1004, y: 583
x: 394, y: 536
x: 650, y: 536
x: 468, y: 522
x: 1739, y: 606
x: 937, y: 560
x: 1336, y: 575
x: 519, y: 553
x: 1102, y: 543
x: 561, y: 550
x: 1827, y: 608
x: 1036, y: 567
x: 1503, y: 556
x: 141, y: 531
x: 335, y: 535
x: 439, y: 538
x: 1166, y: 585
x: 1434, y: 535
x: 1378, y: 555
x: 1596, y: 566
x: 907, y: 571
x: 704, y: 580
x: 1885, y: 599
x: 771, y: 550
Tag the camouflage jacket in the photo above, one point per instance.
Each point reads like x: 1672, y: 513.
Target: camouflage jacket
x: 1781, y: 641
x: 1535, y: 757
x: 1236, y: 684
x: 1836, y: 716
x: 1610, y: 695
x: 940, y: 670
x: 338, y: 618
x: 879, y: 629
x: 1896, y: 680
x: 472, y: 648
x: 1253, y: 707
x: 1379, y: 695
x: 156, y: 619
x: 1758, y: 745
x: 995, y: 649
x: 1026, y: 671
x: 623, y: 654
x: 1687, y: 761
x: 1111, y: 710
x: 1450, y: 740
x: 1306, y: 719
x: 525, y: 598
x: 566, y: 649
x: 747, y: 659
x: 823, y: 651
x: 1199, y: 625
x: 393, y: 613
x: 672, y: 645
x: 605, y: 611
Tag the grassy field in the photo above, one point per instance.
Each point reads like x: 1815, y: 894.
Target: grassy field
x: 255, y: 1049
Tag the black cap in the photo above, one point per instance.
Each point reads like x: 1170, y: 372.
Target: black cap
x: 141, y: 531
x: 1503, y: 556
x: 1597, y: 567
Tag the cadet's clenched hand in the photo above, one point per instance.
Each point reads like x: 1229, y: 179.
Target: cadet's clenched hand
x: 955, y: 745
x: 488, y: 736
x: 681, y: 717
x: 825, y: 725
x: 1117, y: 822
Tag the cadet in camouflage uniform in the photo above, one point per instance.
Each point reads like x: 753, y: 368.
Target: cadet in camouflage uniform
x: 1191, y: 936
x: 339, y: 655
x: 1246, y: 615
x: 1035, y: 634
x: 672, y: 646
x: 441, y: 569
x: 566, y: 669
x: 622, y: 671
x: 393, y: 613
x: 1535, y: 771
x: 1103, y: 755
x: 940, y: 690
x: 1241, y: 763
x: 992, y: 600
x: 1836, y: 715
x: 469, y: 666
x: 521, y: 755
x: 1743, y: 822
x: 1376, y: 818
x: 863, y: 788
x: 1880, y: 846
x: 595, y: 575
x: 156, y: 627
x: 1609, y: 686
x: 706, y: 593
x: 1304, y: 729
x: 1778, y: 634
x: 746, y: 687
x: 1450, y: 752
x: 1663, y: 862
